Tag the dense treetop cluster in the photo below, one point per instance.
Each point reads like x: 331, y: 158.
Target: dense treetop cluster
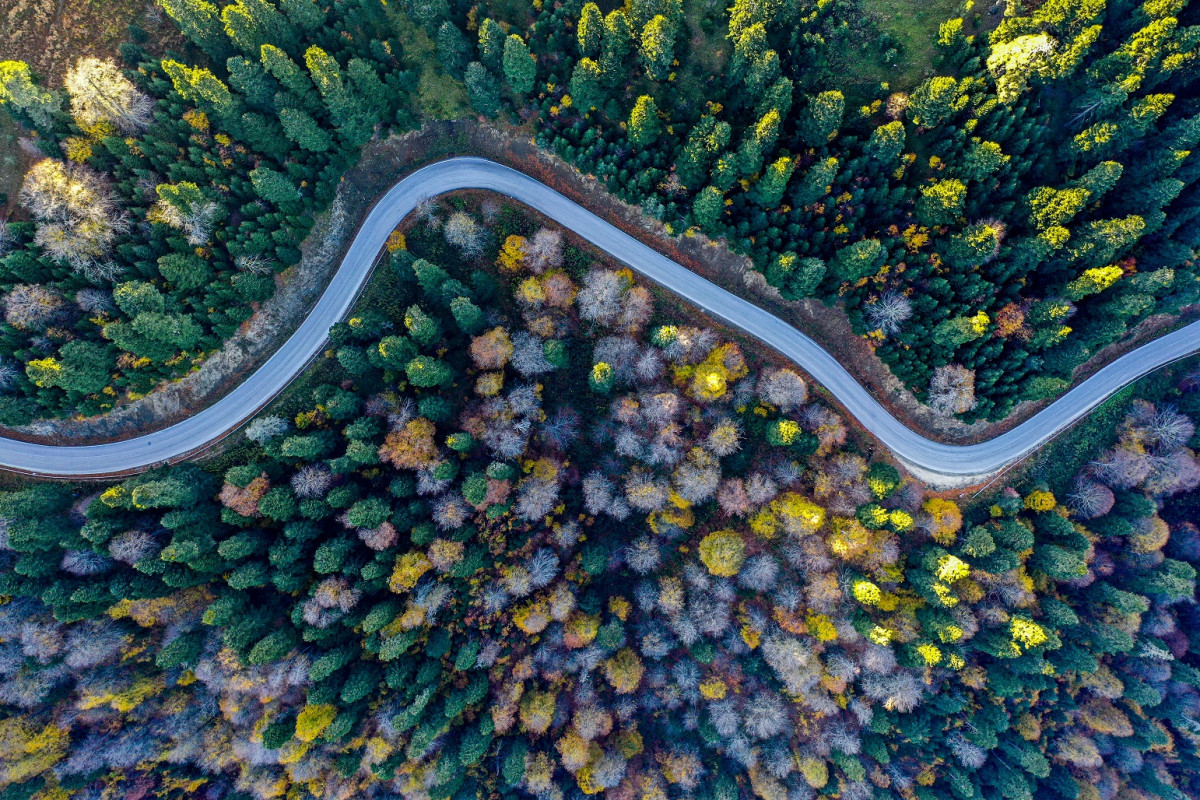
x: 171, y: 194
x: 449, y: 572
x: 987, y: 230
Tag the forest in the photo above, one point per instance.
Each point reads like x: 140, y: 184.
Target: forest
x: 531, y: 527
x: 441, y: 569
x: 986, y: 231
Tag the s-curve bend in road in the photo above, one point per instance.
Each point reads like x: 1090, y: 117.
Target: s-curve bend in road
x: 933, y: 461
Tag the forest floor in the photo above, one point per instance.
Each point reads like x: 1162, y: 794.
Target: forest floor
x: 51, y: 34
x: 439, y: 95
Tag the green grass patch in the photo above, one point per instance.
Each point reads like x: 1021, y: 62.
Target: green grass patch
x: 913, y: 25
x: 895, y: 41
x: 708, y: 30
x: 439, y: 95
x: 1059, y: 462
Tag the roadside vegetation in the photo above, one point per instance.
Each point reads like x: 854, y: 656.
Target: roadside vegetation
x: 980, y: 258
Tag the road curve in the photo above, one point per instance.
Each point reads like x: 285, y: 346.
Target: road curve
x: 933, y: 461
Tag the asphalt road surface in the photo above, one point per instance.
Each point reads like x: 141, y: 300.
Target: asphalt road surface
x: 938, y: 463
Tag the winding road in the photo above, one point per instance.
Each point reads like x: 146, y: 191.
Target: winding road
x: 941, y: 464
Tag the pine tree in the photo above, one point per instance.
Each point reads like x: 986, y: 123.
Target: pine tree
x: 467, y: 315
x: 308, y: 15
x: 615, y: 48
x: 184, y: 271
x: 941, y: 202
x: 858, y: 260
x: 304, y: 130
x: 585, y: 88
x: 273, y: 186
x: 343, y: 106
x: 973, y: 246
x: 491, y: 45
x: 658, y: 47
x: 704, y: 143
x: 806, y: 277
x: 252, y: 83
x: 200, y: 86
x: 426, y: 372
x: 777, y: 98
x: 642, y: 11
x: 285, y: 70
x: 821, y: 117
x: 373, y: 95
x: 745, y: 13
x: 430, y: 14
x: 982, y: 160
x: 708, y: 206
x: 1100, y: 179
x: 935, y: 101
x: 644, y: 127
x: 749, y: 47
x: 591, y: 30
x: 200, y: 22
x: 252, y: 23
x: 886, y: 142
x: 816, y: 182
x: 757, y: 142
x: 423, y: 328
x: 19, y: 91
x: 483, y: 90
x: 453, y: 49
x: 754, y: 65
x: 82, y: 368
x: 519, y: 66
x: 769, y: 188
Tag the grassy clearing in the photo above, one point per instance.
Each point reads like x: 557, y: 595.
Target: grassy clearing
x: 914, y: 24
x: 708, y: 43
x: 439, y: 96
x: 706, y: 52
x: 895, y: 41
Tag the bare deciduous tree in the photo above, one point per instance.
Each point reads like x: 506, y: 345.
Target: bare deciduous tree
x: 101, y: 94
x: 952, y: 390
x: 783, y: 389
x: 636, y: 309
x: 888, y: 312
x: 645, y: 492
x: 544, y: 251
x: 462, y: 231
x: 1090, y: 499
x: 600, y: 298
x: 1122, y: 467
x: 77, y: 217
x: 33, y: 307
x: 725, y: 439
